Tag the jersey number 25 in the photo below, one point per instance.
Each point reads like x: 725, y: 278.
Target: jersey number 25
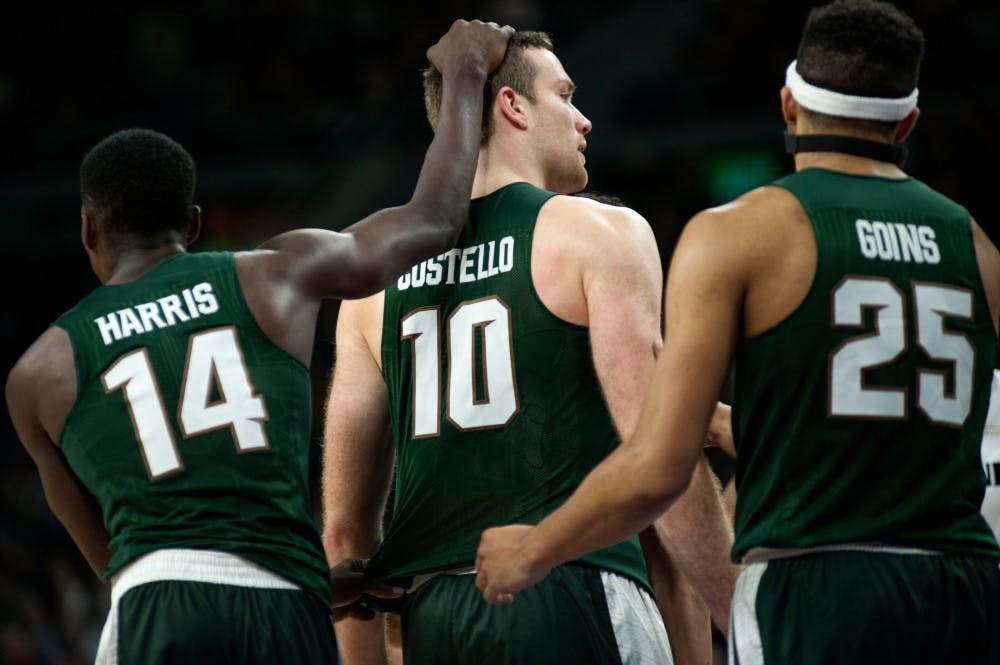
x: 849, y: 395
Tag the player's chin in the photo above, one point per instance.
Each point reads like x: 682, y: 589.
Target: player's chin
x: 570, y: 181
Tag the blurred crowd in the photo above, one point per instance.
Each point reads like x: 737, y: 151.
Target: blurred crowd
x: 307, y: 112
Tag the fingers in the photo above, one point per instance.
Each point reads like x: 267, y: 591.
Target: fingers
x: 380, y: 590
x: 491, y: 595
x: 494, y: 597
x: 353, y: 611
x: 472, y: 46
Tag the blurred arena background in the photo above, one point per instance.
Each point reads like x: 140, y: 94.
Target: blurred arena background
x: 309, y: 113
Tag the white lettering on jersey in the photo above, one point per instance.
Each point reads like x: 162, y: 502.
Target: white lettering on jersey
x: 907, y: 243
x: 164, y: 312
x: 467, y: 264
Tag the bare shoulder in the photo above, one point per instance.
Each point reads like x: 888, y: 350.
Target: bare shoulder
x: 41, y: 386
x: 45, y: 361
x: 982, y: 240
x: 988, y: 259
x: 762, y: 208
x: 755, y: 225
x: 360, y: 322
x: 593, y: 219
x: 586, y: 234
x: 584, y: 249
x: 362, y: 313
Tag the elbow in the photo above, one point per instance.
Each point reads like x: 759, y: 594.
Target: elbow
x: 336, y: 542
x: 444, y: 215
x: 664, y: 494
x: 657, y: 492
x: 344, y: 540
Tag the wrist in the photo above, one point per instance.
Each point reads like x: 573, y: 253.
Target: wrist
x: 470, y: 71
x: 538, y: 557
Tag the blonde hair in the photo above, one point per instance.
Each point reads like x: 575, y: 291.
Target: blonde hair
x: 515, y: 71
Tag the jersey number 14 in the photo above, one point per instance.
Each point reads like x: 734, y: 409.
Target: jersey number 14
x: 214, y: 359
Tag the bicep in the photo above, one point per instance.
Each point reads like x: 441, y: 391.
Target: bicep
x: 989, y: 268
x: 362, y: 259
x: 74, y: 506
x: 623, y: 311
x: 702, y: 310
x: 321, y: 264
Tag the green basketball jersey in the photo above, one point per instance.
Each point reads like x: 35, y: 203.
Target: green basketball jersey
x: 496, y: 407
x: 190, y: 426
x: 859, y: 417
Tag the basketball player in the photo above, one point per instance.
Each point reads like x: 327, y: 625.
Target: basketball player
x: 169, y: 411
x: 991, y: 458
x: 860, y: 307
x: 504, y: 370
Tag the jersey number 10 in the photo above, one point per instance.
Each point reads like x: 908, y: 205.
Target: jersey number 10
x: 498, y: 403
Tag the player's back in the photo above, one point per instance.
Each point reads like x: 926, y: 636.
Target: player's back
x: 190, y: 426
x: 858, y: 418
x: 496, y: 408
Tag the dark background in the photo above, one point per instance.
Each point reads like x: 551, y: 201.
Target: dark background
x: 309, y: 113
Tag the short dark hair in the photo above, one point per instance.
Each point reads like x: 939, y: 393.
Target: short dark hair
x: 139, y: 182
x: 514, y: 70
x: 602, y: 197
x: 864, y: 47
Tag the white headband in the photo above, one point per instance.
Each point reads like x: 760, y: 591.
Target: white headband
x: 843, y: 105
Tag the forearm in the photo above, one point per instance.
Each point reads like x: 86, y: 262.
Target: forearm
x: 390, y: 241
x: 358, y: 449
x: 444, y: 185
x: 349, y: 540
x: 619, y: 498
x: 684, y: 613
x: 720, y: 429
x: 362, y: 642
x: 77, y: 510
x: 699, y: 537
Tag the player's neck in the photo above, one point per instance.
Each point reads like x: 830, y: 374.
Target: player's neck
x: 501, y: 165
x: 837, y: 161
x: 128, y: 264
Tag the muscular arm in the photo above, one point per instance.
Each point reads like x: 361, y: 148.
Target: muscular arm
x: 699, y: 537
x: 368, y: 255
x: 989, y: 268
x: 684, y: 612
x: 617, y: 295
x: 622, y: 286
x: 357, y: 464
x: 41, y: 389
x: 285, y: 279
x: 621, y: 283
x: 648, y: 472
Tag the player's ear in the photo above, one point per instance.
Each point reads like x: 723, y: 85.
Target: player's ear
x: 789, y: 107
x: 512, y: 107
x: 905, y: 126
x: 88, y: 230
x: 193, y: 229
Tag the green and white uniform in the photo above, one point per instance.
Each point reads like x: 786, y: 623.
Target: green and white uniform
x: 497, y: 415
x: 858, y: 422
x: 192, y: 430
x: 991, y: 458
